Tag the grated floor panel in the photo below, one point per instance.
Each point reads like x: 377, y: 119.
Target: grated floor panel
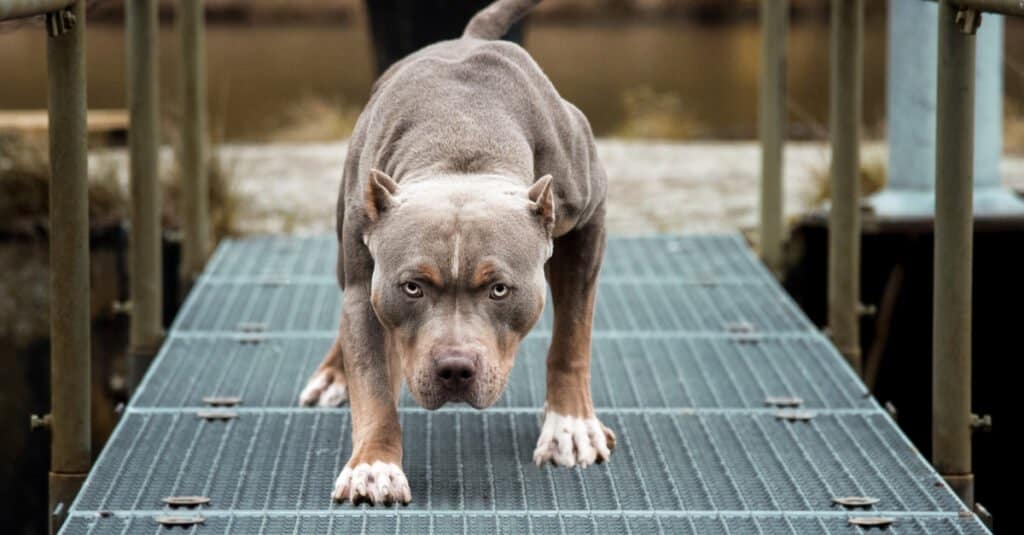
x: 691, y: 336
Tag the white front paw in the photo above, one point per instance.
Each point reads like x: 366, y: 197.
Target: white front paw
x: 569, y: 440
x: 324, y: 389
x: 377, y: 483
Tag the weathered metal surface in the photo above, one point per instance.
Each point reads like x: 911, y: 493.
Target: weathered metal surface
x: 699, y: 449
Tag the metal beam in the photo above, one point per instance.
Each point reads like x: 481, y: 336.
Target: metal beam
x: 144, y: 143
x: 193, y: 151
x: 772, y: 129
x: 951, y: 329
x: 16, y: 9
x: 844, y: 214
x: 1004, y: 7
x: 70, y: 452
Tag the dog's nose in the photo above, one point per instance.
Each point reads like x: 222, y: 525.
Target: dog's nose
x: 456, y: 369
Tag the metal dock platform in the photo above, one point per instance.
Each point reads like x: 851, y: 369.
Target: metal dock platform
x: 692, y: 336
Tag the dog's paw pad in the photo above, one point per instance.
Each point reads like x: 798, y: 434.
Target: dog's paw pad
x: 324, y: 389
x: 377, y: 483
x: 570, y: 441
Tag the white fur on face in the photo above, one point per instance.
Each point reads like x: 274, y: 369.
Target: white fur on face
x: 379, y: 483
x: 568, y: 441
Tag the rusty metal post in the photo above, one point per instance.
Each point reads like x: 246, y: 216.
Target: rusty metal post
x: 954, y: 173
x: 70, y: 453
x: 844, y: 214
x: 144, y: 143
x: 772, y: 129
x: 194, y: 204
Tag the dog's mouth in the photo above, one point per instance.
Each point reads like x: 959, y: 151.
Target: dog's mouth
x: 435, y: 398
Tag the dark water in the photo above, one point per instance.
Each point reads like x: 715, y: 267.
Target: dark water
x: 708, y: 73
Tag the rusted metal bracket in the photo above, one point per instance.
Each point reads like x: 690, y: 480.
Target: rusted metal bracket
x: 217, y: 415
x: 222, y: 401
x: 981, y: 423
x: 251, y: 338
x: 783, y: 401
x: 854, y: 502
x: 252, y: 327
x: 60, y: 22
x: 794, y: 415
x: 40, y: 422
x: 186, y: 501
x: 968, y: 20
x: 121, y: 308
x: 866, y: 310
x: 871, y: 521
x: 177, y: 520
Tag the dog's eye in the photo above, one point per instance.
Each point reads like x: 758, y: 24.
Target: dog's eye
x: 499, y: 291
x: 412, y: 289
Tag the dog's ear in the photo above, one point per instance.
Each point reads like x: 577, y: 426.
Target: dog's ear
x: 380, y: 189
x: 543, y: 197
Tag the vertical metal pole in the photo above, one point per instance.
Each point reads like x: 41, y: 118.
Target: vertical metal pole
x: 772, y: 128
x: 144, y: 143
x: 70, y: 453
x: 844, y: 216
x: 193, y: 157
x: 951, y: 329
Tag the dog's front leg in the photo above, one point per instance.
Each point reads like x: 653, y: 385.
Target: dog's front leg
x: 571, y: 433
x: 374, y: 471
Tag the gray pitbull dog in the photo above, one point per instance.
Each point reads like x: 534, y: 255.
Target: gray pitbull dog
x: 446, y: 235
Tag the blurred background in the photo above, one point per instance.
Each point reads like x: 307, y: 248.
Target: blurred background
x: 670, y: 87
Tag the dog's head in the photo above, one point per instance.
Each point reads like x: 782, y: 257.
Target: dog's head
x: 458, y: 278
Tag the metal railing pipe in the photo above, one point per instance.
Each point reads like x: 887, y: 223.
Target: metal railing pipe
x: 16, y: 9
x: 144, y: 145
x: 193, y: 163
x: 844, y: 214
x: 951, y: 328
x: 1004, y: 7
x: 69, y: 265
x: 772, y: 129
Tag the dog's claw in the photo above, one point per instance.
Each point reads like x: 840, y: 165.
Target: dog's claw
x: 378, y: 483
x: 569, y: 441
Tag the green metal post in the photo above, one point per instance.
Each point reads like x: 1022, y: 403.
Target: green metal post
x: 951, y: 329
x: 69, y: 265
x: 844, y: 215
x: 772, y: 128
x: 144, y: 143
x: 193, y: 158
x: 16, y: 9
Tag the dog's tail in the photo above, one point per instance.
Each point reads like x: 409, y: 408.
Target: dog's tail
x: 495, y: 20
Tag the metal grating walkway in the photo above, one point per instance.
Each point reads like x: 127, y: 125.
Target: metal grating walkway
x: 691, y: 336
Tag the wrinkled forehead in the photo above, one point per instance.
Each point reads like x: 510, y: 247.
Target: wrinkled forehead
x: 458, y: 239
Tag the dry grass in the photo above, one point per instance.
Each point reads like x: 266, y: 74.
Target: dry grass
x: 25, y: 186
x: 656, y: 115
x: 315, y: 119
x: 225, y: 203
x: 1013, y: 127
x: 25, y: 182
x: 873, y: 172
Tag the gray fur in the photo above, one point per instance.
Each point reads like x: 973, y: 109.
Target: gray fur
x: 447, y: 236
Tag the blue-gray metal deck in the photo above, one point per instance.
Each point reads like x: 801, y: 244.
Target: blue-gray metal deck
x: 691, y: 336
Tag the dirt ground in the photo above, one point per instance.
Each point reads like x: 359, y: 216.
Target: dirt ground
x: 653, y: 186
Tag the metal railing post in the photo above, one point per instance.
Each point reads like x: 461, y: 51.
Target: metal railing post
x: 951, y: 328
x: 772, y: 129
x: 844, y: 215
x: 144, y: 143
x: 70, y: 453
x: 194, y: 203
